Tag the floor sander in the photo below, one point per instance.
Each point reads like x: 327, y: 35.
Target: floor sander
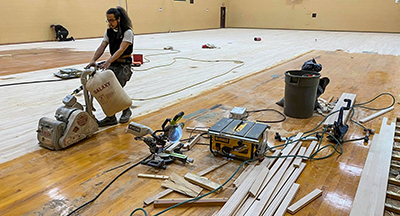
x: 73, y: 122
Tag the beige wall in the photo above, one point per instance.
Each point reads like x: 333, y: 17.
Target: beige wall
x: 345, y: 15
x: 29, y: 20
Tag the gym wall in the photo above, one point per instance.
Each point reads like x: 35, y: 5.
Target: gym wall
x: 28, y: 21
x: 342, y: 15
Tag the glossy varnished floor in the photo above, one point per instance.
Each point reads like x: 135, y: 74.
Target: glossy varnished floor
x: 54, y: 183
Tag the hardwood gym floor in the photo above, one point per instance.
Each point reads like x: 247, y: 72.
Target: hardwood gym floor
x: 44, y: 182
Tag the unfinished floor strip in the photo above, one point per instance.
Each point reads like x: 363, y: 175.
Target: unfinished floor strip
x: 287, y: 200
x: 304, y: 201
x: 371, y: 191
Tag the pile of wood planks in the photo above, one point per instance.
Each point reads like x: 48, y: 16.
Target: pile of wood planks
x: 273, y: 188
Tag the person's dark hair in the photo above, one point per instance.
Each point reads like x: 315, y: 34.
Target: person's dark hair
x: 51, y: 26
x: 124, y: 23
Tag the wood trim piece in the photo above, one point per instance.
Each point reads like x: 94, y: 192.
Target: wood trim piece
x: 238, y: 197
x: 332, y: 118
x: 289, y: 147
x: 202, y: 182
x: 164, y: 193
x: 172, y: 147
x: 272, y: 160
x: 193, y: 142
x: 197, y: 130
x: 297, y: 160
x: 310, y: 150
x: 258, y: 182
x: 180, y: 180
x: 258, y: 207
x: 392, y: 208
x: 368, y: 118
x: 212, y: 168
x: 393, y: 195
x: 371, y: 192
x: 164, y: 203
x: 304, y: 201
x: 243, y: 175
x: 179, y: 188
x: 394, y: 181
x: 143, y: 175
x: 287, y: 200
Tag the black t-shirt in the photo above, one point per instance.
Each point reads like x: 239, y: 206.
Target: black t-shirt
x: 61, y: 28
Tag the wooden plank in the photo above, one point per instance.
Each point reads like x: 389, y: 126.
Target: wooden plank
x: 180, y: 180
x: 164, y: 193
x: 332, y: 118
x: 272, y: 160
x: 143, y: 175
x: 392, y: 208
x: 297, y: 161
x: 197, y: 130
x: 304, y: 201
x: 396, y: 157
x: 238, y: 197
x: 212, y: 168
x: 394, y: 181
x: 243, y: 175
x: 393, y: 195
x: 164, y: 203
x: 172, y: 147
x: 287, y: 200
x: 284, y: 179
x: 371, y: 191
x: 266, y: 192
x: 368, y: 118
x: 273, y: 203
x: 289, y: 147
x: 192, y: 142
x: 258, y: 182
x: 202, y: 181
x: 179, y: 188
x: 310, y: 150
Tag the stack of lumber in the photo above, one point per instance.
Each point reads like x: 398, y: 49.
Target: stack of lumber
x: 273, y: 188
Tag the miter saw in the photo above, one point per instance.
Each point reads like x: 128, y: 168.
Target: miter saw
x: 159, y: 141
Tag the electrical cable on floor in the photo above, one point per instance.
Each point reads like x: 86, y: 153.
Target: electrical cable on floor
x: 30, y: 82
x: 274, y: 110
x: 195, y: 84
x: 108, y: 185
x: 338, y: 145
x: 204, y: 195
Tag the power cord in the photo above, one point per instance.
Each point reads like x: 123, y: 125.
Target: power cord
x: 274, y: 110
x: 204, y: 195
x: 105, y: 188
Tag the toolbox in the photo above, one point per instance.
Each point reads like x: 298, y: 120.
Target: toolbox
x: 238, y: 138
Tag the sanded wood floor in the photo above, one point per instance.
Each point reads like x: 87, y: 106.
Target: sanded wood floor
x: 23, y: 105
x: 54, y: 183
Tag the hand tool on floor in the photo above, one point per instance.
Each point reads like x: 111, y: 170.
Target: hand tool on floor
x: 158, y: 141
x: 286, y: 139
x: 339, y: 129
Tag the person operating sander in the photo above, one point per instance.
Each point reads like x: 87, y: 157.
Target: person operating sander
x: 119, y: 36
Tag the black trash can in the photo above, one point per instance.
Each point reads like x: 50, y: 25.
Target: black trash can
x: 300, y: 93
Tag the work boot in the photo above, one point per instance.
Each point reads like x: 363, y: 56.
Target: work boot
x: 126, y: 115
x: 108, y: 121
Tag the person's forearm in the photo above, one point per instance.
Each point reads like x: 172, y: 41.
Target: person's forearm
x: 99, y: 52
x: 116, y: 55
